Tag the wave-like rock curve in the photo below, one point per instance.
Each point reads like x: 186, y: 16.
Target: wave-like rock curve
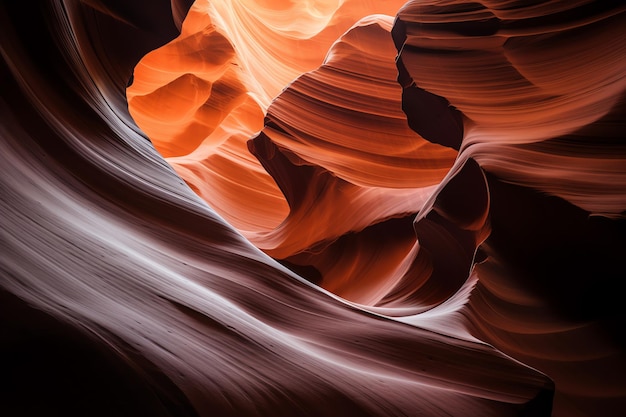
x: 458, y: 280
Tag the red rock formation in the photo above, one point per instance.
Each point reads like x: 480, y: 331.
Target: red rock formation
x: 460, y: 229
x: 541, y: 92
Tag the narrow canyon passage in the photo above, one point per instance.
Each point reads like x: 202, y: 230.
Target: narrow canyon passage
x: 304, y: 208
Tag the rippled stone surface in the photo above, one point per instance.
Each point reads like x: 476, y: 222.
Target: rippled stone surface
x: 312, y: 208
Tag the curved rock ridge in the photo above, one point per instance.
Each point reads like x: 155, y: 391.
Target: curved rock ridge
x: 523, y: 75
x: 539, y: 90
x: 234, y: 208
x: 363, y: 157
x: 123, y: 293
x: 201, y: 96
x: 346, y: 116
x: 353, y: 173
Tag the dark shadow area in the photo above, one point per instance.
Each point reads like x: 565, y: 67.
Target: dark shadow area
x: 52, y: 369
x: 575, y: 261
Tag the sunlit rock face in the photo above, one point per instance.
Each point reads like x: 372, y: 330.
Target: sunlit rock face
x: 338, y: 208
x: 347, y: 162
x: 203, y: 95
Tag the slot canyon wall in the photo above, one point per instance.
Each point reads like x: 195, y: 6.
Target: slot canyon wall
x: 313, y: 208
